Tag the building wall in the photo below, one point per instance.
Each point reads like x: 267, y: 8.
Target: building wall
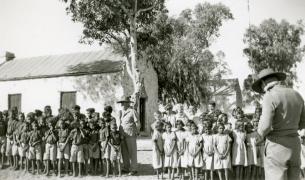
x: 94, y: 91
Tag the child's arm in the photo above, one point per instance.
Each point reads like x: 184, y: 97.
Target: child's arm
x: 199, y: 149
x: 228, y: 147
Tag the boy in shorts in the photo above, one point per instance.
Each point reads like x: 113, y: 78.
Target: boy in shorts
x: 3, y: 128
x: 23, y: 150
x: 51, y: 138
x: 11, y: 124
x: 114, y: 140
x: 105, y: 148
x: 63, y: 147
x: 94, y: 150
x: 77, y: 155
x: 35, y: 147
x: 85, y: 130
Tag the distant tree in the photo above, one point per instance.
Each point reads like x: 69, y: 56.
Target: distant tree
x: 180, y: 54
x: 273, y: 45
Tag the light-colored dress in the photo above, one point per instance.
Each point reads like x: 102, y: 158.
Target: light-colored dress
x: 182, y: 117
x: 252, y: 149
x: 193, y: 141
x: 157, y: 159
x: 302, y: 134
x: 171, y: 118
x: 239, y: 156
x: 181, y: 144
x: 222, y: 144
x: 208, y: 147
x: 169, y: 140
x: 261, y: 154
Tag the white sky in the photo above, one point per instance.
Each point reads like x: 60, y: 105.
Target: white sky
x: 42, y: 27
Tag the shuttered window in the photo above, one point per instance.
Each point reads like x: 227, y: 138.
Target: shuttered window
x: 67, y: 99
x: 14, y: 100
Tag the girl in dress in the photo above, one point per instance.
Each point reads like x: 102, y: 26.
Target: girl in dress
x: 194, y: 142
x: 239, y: 158
x: 181, y: 147
x: 222, y: 158
x: 260, y: 151
x: 157, y: 150
x: 170, y: 149
x: 251, y: 171
x: 208, y: 152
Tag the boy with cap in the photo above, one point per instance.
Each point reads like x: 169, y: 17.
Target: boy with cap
x: 76, y: 113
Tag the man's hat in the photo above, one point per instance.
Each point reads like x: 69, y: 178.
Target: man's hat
x: 125, y: 100
x: 256, y: 86
x: 92, y: 110
x: 76, y: 107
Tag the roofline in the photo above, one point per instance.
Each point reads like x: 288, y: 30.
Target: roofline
x: 57, y: 75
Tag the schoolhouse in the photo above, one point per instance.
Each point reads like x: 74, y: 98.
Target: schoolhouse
x: 89, y: 79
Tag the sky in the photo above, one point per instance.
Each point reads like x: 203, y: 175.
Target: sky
x: 35, y: 27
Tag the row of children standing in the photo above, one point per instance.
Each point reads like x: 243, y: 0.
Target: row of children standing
x: 41, y: 141
x: 207, y: 144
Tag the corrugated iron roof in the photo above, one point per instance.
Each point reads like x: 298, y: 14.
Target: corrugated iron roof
x: 104, y: 61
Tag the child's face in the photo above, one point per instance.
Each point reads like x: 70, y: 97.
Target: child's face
x: 34, y: 126
x: 91, y: 125
x: 157, y: 116
x: 241, y: 127
x: 113, y: 127
x: 168, y: 128
x: 207, y: 130
x: 179, y: 126
x: 102, y: 124
x: 193, y: 129
x: 220, y: 129
x: 61, y: 125
x: 21, y: 118
x: 82, y: 124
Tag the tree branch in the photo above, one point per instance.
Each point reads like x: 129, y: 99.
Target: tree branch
x: 146, y: 9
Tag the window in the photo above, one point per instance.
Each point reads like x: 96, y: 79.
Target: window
x: 67, y: 99
x: 14, y: 100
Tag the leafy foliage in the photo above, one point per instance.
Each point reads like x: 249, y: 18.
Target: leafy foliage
x: 273, y: 45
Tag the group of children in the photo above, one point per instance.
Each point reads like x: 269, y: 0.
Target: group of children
x: 207, y: 145
x: 41, y: 141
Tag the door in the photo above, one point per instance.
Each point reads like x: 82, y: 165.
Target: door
x: 67, y: 99
x: 142, y: 114
x: 14, y: 100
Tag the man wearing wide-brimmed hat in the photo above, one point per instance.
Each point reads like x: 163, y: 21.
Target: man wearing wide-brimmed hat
x: 283, y: 114
x: 129, y: 128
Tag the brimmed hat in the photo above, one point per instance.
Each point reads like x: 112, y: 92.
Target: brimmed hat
x: 256, y: 86
x: 125, y: 100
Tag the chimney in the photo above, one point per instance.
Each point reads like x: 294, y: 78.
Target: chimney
x: 9, y: 56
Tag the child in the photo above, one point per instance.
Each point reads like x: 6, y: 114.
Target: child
x: 94, y: 150
x: 23, y: 150
x: 222, y: 160
x: 239, y: 157
x: 63, y: 147
x: 77, y: 155
x: 10, y: 138
x: 260, y: 151
x: 157, y: 150
x: 158, y: 118
x: 182, y: 161
x: 35, y: 147
x: 251, y: 171
x: 85, y: 130
x: 194, y: 142
x: 51, y: 138
x: 208, y: 151
x: 3, y: 128
x: 15, y: 146
x: 105, y: 149
x: 114, y: 141
x: 170, y: 149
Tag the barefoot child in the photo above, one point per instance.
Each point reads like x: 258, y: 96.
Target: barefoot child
x: 105, y: 149
x: 94, y: 150
x: 77, y: 155
x: 63, y: 147
x: 85, y: 131
x: 10, y: 137
x: 208, y: 152
x: 222, y: 159
x: 51, y: 138
x: 35, y: 153
x: 182, y: 161
x: 3, y: 128
x: 157, y: 150
x: 251, y: 171
x: 239, y: 157
x: 23, y: 150
x: 194, y: 142
x: 114, y: 141
x: 170, y: 150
